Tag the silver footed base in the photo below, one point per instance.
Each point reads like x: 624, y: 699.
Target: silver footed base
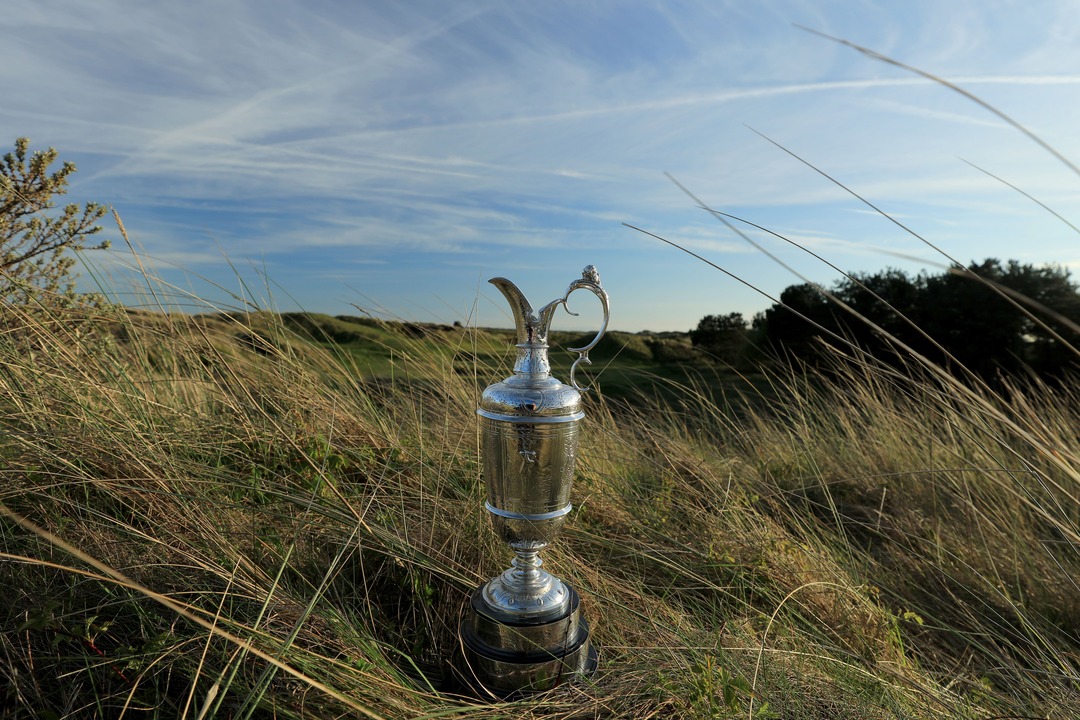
x: 526, y: 592
x: 504, y: 654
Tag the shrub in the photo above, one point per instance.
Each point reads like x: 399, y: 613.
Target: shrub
x: 33, y: 264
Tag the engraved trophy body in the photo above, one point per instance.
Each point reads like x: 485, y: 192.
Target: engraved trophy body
x: 524, y: 629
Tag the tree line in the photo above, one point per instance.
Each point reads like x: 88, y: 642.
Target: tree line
x: 992, y: 319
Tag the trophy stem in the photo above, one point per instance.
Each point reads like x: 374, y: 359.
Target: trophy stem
x: 527, y: 572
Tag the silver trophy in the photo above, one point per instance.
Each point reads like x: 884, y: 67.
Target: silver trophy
x: 524, y: 629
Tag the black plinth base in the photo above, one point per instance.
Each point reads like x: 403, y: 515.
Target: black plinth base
x: 504, y: 655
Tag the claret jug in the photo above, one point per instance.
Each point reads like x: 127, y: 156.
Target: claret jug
x: 524, y: 630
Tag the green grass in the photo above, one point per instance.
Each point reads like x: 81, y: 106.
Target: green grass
x: 656, y: 364
x: 218, y: 517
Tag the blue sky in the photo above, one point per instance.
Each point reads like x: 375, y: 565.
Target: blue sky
x: 393, y: 156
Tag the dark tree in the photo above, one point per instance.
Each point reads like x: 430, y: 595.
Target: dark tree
x: 722, y: 336
x: 795, y: 325
x: 988, y: 333
x: 886, y: 310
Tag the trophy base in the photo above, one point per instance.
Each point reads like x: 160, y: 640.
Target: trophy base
x: 505, y: 655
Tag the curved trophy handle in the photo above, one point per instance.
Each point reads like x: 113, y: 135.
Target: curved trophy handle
x: 590, y: 280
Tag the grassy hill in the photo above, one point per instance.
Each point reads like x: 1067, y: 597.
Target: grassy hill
x: 625, y: 365
x: 263, y: 515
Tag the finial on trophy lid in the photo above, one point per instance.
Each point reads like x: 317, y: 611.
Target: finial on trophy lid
x: 524, y: 630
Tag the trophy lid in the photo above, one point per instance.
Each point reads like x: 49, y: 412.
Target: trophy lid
x: 531, y: 391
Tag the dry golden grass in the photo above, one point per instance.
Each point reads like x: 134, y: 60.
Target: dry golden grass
x: 200, y: 525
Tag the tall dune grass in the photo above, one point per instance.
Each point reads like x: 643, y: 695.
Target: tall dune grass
x: 209, y: 516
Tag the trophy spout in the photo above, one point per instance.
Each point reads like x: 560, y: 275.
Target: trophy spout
x: 526, y: 323
x: 532, y: 358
